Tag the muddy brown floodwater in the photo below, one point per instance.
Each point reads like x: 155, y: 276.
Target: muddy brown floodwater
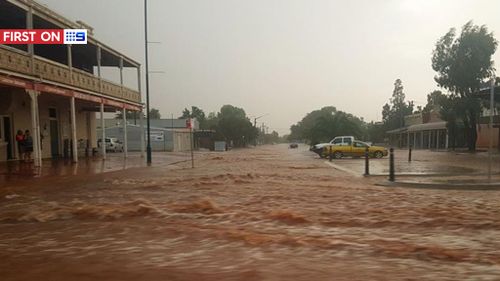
x: 270, y: 213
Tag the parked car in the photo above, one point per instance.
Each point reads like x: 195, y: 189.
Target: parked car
x: 340, y: 140
x: 293, y: 145
x: 356, y: 149
x: 112, y: 144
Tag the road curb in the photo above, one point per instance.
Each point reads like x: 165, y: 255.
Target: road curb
x: 340, y: 168
x: 493, y: 186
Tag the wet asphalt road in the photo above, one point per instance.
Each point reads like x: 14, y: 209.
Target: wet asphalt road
x: 269, y: 213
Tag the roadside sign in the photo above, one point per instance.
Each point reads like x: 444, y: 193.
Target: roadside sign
x: 157, y: 136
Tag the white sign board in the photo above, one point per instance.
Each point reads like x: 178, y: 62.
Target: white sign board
x: 157, y: 135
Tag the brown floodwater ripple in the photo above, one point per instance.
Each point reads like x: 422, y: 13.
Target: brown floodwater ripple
x: 255, y: 214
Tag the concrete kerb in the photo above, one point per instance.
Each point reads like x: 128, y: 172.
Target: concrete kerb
x: 340, y: 168
x: 471, y: 186
x: 418, y: 174
x: 428, y: 174
x: 358, y: 174
x: 492, y: 186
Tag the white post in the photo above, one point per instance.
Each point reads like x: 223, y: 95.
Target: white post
x: 191, y: 140
x: 73, y: 131
x: 430, y: 139
x: 143, y: 134
x: 31, y: 47
x: 421, y: 139
x: 125, y: 136
x: 35, y: 128
x: 447, y: 139
x: 99, y: 57
x: 103, y: 133
x: 38, y: 134
x: 70, y: 61
x: 492, y: 109
x: 121, y: 71
x: 139, y: 80
x: 437, y: 140
x: 70, y: 56
x: 408, y: 140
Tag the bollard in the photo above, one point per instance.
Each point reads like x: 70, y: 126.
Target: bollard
x: 409, y: 154
x: 367, y: 162
x: 391, y: 164
x: 330, y: 154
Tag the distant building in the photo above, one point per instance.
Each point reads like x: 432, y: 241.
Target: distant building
x: 421, y: 131
x: 157, y: 123
x: 162, y: 139
x: 166, y: 134
x: 428, y: 130
x: 483, y: 137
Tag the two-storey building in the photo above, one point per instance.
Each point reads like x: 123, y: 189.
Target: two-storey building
x: 59, y: 92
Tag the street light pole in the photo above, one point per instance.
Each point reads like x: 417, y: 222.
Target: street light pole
x: 492, y: 108
x: 148, y: 148
x: 255, y: 124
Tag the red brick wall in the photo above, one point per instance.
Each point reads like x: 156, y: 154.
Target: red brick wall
x: 483, y: 136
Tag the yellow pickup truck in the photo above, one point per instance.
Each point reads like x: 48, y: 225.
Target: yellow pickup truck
x: 355, y: 149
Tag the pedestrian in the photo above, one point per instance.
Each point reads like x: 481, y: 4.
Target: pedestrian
x: 20, y: 143
x: 28, y: 146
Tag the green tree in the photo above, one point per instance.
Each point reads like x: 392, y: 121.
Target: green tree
x: 212, y: 121
x: 154, y: 113
x: 197, y: 113
x: 434, y: 100
x: 448, y: 107
x: 462, y: 64
x: 393, y: 114
x: 271, y: 138
x: 133, y: 115
x: 233, y: 125
x: 375, y: 132
x: 324, y: 124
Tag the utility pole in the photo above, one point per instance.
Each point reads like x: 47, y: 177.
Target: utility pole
x: 148, y: 148
x: 189, y: 123
x: 492, y: 109
x: 255, y: 124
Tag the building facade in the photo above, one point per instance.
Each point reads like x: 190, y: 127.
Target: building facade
x: 162, y: 139
x: 59, y: 92
x: 180, y: 123
x: 424, y: 131
x: 484, y: 130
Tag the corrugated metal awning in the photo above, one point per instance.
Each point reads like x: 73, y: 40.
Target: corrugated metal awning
x: 428, y: 126
x: 397, y: 131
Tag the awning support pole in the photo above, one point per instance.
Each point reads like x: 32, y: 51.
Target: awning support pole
x: 143, y: 133
x: 125, y: 135
x: 73, y: 131
x: 35, y: 131
x: 103, y: 133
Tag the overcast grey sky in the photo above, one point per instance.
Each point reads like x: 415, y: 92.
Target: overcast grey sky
x: 284, y: 58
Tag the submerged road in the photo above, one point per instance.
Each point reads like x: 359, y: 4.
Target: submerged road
x: 269, y: 213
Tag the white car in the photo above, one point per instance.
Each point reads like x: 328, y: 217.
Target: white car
x: 112, y: 144
x: 340, y: 140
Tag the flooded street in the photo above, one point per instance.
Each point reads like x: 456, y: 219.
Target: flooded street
x: 269, y: 213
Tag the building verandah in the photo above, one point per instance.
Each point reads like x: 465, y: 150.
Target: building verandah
x: 61, y: 122
x: 58, y: 92
x: 426, y: 131
x: 437, y: 138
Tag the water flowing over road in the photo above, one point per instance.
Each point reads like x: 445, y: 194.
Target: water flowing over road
x: 267, y: 213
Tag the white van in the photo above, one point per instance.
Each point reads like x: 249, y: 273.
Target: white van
x: 112, y: 144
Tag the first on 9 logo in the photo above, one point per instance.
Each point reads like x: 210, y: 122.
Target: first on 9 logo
x: 75, y: 36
